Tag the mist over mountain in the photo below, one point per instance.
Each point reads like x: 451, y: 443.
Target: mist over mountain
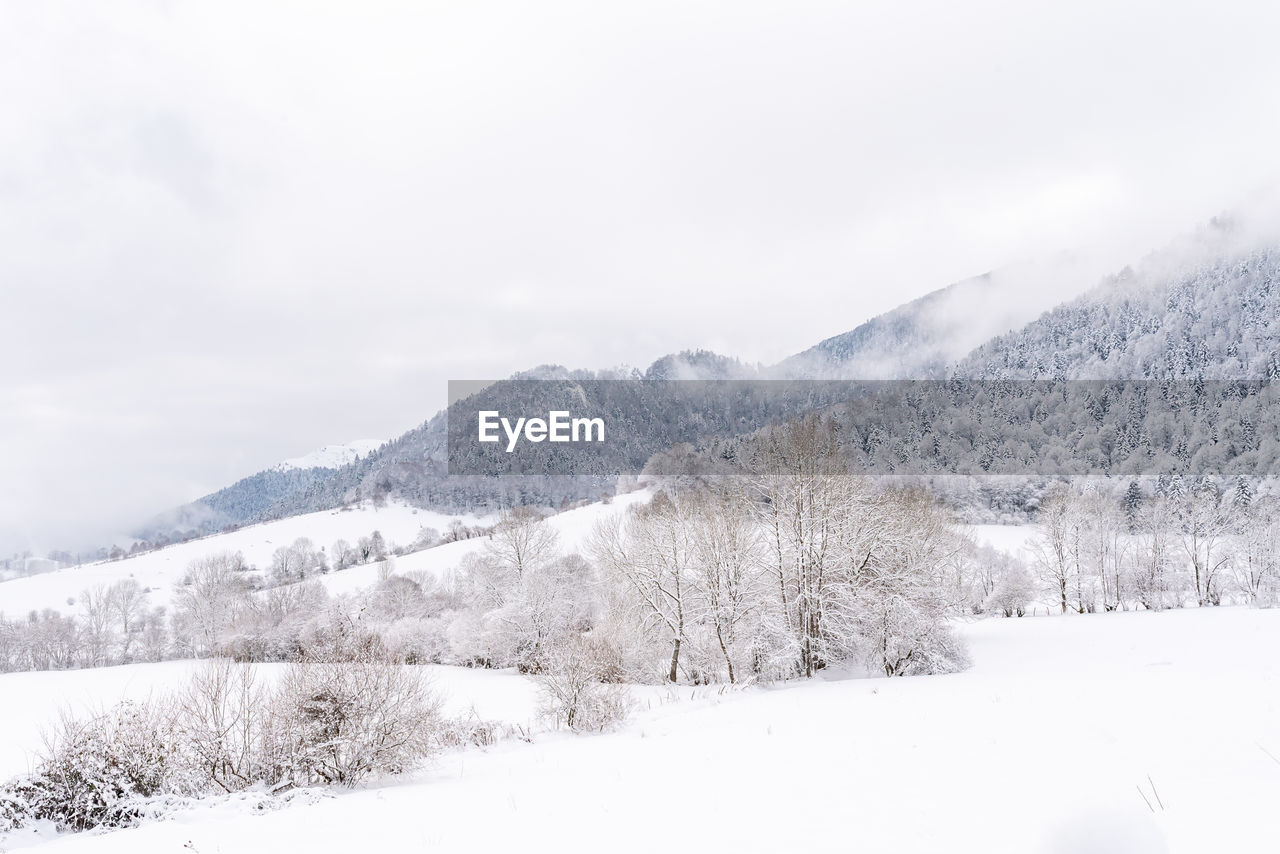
x: 921, y: 339
x: 1205, y: 307
x: 1215, y: 318
x: 252, y: 497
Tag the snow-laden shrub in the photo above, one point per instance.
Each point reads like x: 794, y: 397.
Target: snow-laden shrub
x: 903, y: 637
x: 104, y: 771
x: 340, y: 722
x: 1014, y: 589
x: 14, y: 810
x: 470, y: 729
x: 417, y: 640
x: 572, y: 693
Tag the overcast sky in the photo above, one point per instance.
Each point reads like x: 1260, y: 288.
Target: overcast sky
x: 230, y: 233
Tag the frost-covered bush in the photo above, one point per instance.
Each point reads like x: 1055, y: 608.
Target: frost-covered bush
x: 417, y: 640
x: 1014, y: 589
x: 14, y: 810
x: 104, y: 771
x: 337, y: 721
x: 470, y: 729
x: 341, y: 722
x: 903, y: 638
x: 572, y: 694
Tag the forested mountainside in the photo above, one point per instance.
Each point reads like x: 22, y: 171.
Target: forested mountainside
x: 248, y: 499
x: 913, y: 341
x: 1220, y: 320
x: 1175, y: 316
x: 413, y: 466
x: 921, y: 339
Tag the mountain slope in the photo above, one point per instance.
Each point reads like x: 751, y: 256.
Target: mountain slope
x: 330, y: 456
x: 1219, y: 320
x: 251, y: 498
x: 922, y: 338
x: 1206, y: 307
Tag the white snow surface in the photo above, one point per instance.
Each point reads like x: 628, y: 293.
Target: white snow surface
x: 331, y: 456
x: 1014, y: 539
x: 572, y: 528
x: 33, y: 700
x: 162, y: 570
x: 1056, y: 740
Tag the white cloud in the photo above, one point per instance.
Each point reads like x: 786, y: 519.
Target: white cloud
x: 234, y: 232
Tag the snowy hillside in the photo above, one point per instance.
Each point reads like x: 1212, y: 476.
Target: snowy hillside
x: 330, y: 456
x: 919, y: 339
x: 1216, y: 320
x: 572, y: 528
x: 494, y: 695
x: 162, y: 570
x: 1135, y: 733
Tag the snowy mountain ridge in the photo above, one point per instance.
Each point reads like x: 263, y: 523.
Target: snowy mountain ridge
x: 330, y: 456
x: 1173, y: 314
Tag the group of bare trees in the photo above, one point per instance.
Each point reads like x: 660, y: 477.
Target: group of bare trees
x: 1185, y: 544
x: 222, y: 604
x: 117, y: 624
x: 786, y: 572
x: 774, y: 574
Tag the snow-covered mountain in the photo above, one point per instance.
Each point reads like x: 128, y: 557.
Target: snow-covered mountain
x: 1218, y: 320
x: 250, y: 499
x: 922, y: 338
x: 330, y: 456
x: 1203, y: 307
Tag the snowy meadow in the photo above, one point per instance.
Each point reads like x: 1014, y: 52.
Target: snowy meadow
x: 1138, y: 732
x: 713, y: 659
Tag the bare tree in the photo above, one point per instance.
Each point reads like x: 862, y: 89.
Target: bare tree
x: 650, y: 550
x: 221, y: 719
x: 1053, y: 545
x: 97, y: 625
x: 521, y: 542
x: 214, y: 593
x: 128, y: 604
x: 1256, y: 564
x: 1203, y: 524
x: 728, y: 557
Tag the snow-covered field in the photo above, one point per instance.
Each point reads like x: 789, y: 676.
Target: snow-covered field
x: 1129, y: 732
x: 572, y: 529
x: 32, y: 701
x: 1014, y: 539
x: 163, y: 569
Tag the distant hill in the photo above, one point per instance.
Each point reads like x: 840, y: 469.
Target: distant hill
x: 921, y: 339
x: 1212, y: 317
x: 1207, y: 307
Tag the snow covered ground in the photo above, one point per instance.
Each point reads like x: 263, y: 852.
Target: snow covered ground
x: 1014, y: 539
x: 31, y: 701
x: 163, y: 569
x: 572, y: 528
x: 1124, y: 732
x: 331, y: 456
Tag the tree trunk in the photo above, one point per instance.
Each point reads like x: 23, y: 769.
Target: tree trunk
x: 728, y: 659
